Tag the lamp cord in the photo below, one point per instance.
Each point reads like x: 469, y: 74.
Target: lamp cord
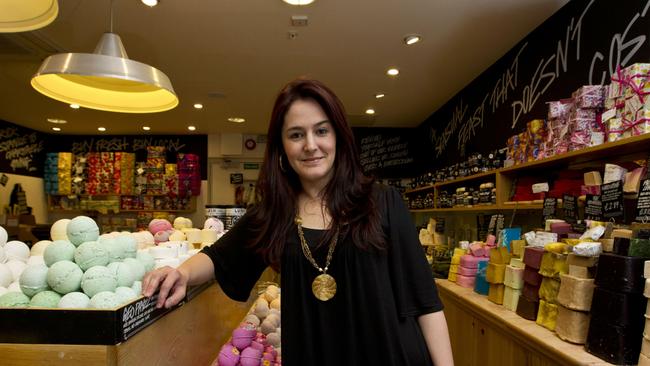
x: 111, y: 2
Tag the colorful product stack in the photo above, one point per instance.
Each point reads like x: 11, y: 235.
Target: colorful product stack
x: 617, y: 309
x: 628, y: 102
x: 554, y: 263
x: 528, y: 304
x: 116, y: 182
x: 481, y: 285
x: 127, y: 170
x: 171, y: 180
x: 155, y: 169
x: 574, y: 298
x: 496, y: 270
x: 50, y: 173
x: 455, y: 263
x: 64, y: 172
x: 588, y: 101
x: 140, y: 178
x: 514, y: 276
x: 644, y: 356
x: 557, y: 138
x: 189, y: 175
x: 79, y: 174
x: 525, y: 146
x: 106, y: 167
x: 469, y: 264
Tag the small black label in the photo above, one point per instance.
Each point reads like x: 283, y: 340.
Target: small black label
x: 236, y: 178
x: 612, y: 199
x: 570, y: 209
x: 550, y: 208
x: 643, y: 204
x: 594, y: 208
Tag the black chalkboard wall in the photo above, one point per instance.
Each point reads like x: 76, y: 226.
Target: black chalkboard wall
x: 580, y: 44
x: 387, y: 152
x: 22, y: 150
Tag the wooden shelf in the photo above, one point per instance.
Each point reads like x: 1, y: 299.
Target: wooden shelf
x: 468, y: 178
x: 419, y: 189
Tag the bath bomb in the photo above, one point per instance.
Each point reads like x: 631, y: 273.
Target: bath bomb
x: 274, y: 318
x: 90, y: 254
x: 59, y: 230
x: 137, y: 287
x: 243, y: 335
x: 137, y: 268
x: 14, y: 287
x: 162, y: 236
x: 271, y: 293
x: 3, y: 290
x: 45, y: 299
x: 14, y: 300
x: 34, y: 280
x: 115, y: 249
x: 144, y: 239
x: 64, y: 277
x: 228, y: 355
x: 213, y: 223
x: 251, y: 318
x: 16, y: 267
x: 82, y: 229
x: 275, y: 304
x: 147, y: 260
x: 268, y: 326
x: 39, y: 247
x: 250, y: 357
x: 177, y: 235
x: 123, y: 273
x: 104, y: 300
x: 98, y: 279
x: 74, y: 300
x: 158, y: 225
x: 35, y: 259
x: 129, y: 244
x: 3, y: 256
x: 6, y: 276
x: 16, y: 250
x: 125, y: 294
x: 273, y: 339
x: 181, y: 223
x: 59, y: 250
x: 3, y: 236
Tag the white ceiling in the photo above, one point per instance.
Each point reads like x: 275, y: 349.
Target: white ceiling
x: 240, y: 50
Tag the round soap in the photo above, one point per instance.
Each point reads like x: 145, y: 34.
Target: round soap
x: 123, y: 273
x: 250, y: 357
x: 147, y: 260
x: 157, y: 225
x: 64, y: 277
x: 35, y: 259
x: 39, y: 247
x: 243, y: 336
x: 45, y: 299
x: 177, y: 235
x: 16, y: 250
x: 16, y: 267
x: 6, y: 277
x: 268, y: 326
x: 59, y: 250
x: 59, y: 230
x: 273, y: 339
x: 137, y: 287
x: 3, y: 236
x: 213, y: 223
x: 137, y: 268
x: 104, y: 300
x: 74, y: 300
x: 228, y: 355
x: 14, y: 300
x: 82, y: 229
x: 251, y: 318
x: 115, y: 249
x: 97, y: 279
x: 34, y: 280
x: 129, y: 244
x: 275, y: 304
x: 90, y: 254
x: 162, y: 236
x: 182, y: 223
x: 125, y: 294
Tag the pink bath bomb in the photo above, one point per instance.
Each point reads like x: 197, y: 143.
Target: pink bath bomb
x: 242, y: 337
x: 261, y: 338
x: 162, y: 236
x: 250, y: 357
x: 157, y: 225
x: 270, y: 349
x: 257, y: 345
x: 228, y: 355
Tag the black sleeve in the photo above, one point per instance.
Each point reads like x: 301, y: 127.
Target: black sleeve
x: 412, y: 278
x: 236, y: 266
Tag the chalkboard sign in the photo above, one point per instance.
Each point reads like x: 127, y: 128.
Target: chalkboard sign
x: 550, y: 208
x: 440, y: 225
x: 236, y: 178
x: 612, y: 199
x: 594, y: 208
x: 582, y: 43
x: 386, y: 152
x: 569, y: 207
x: 643, y: 204
x: 22, y: 150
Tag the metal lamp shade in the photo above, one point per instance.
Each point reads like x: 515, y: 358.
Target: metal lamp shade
x: 26, y: 15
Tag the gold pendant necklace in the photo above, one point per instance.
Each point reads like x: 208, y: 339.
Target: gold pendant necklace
x: 324, y: 285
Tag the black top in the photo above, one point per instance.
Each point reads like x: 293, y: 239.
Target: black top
x: 372, y: 319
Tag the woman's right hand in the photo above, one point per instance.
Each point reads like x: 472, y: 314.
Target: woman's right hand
x: 172, y: 283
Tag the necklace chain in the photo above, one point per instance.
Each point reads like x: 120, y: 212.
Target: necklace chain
x: 307, y: 252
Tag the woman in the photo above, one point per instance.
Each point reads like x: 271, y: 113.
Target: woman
x: 356, y: 288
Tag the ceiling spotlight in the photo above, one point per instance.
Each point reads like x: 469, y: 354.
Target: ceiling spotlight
x: 392, y: 72
x: 74, y: 106
x: 380, y: 95
x: 150, y: 3
x: 191, y: 128
x: 57, y: 121
x: 412, y: 39
x: 298, y: 2
x: 101, y: 129
x: 146, y: 128
x: 370, y: 111
x: 198, y: 106
x: 236, y: 119
x: 56, y: 129
x: 26, y: 15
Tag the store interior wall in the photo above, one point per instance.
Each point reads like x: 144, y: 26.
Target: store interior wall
x: 34, y: 192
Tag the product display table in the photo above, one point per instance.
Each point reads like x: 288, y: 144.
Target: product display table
x: 485, y: 333
x: 188, y: 335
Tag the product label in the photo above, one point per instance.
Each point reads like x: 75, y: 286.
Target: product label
x: 549, y: 209
x: 612, y: 199
x: 643, y: 204
x: 594, y: 208
x: 570, y: 208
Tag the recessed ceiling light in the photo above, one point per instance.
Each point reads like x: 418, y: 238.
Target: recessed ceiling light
x: 236, y: 119
x: 101, y: 129
x: 56, y: 129
x: 298, y: 2
x: 198, y: 106
x: 74, y: 106
x: 150, y: 3
x: 146, y: 128
x: 191, y: 128
x: 412, y: 39
x: 57, y: 121
x: 392, y: 72
x: 380, y: 95
x: 370, y: 111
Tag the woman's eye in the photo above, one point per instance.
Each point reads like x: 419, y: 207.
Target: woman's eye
x: 322, y: 131
x: 295, y: 135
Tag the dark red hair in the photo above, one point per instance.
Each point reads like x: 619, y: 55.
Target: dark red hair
x: 348, y: 195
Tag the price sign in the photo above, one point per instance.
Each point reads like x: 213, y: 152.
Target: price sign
x: 612, y: 199
x: 643, y: 204
x: 594, y: 208
x: 550, y: 208
x: 570, y: 208
x: 236, y: 178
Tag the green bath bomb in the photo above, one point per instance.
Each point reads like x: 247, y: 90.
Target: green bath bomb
x: 34, y: 279
x: 45, y: 299
x: 14, y: 300
x: 90, y: 254
x: 104, y: 300
x: 82, y: 229
x: 129, y: 244
x: 125, y: 294
x: 146, y: 259
x: 137, y: 288
x: 64, y: 277
x: 116, y: 249
x: 136, y: 267
x: 123, y: 273
x: 97, y: 279
x: 59, y: 250
x: 74, y: 300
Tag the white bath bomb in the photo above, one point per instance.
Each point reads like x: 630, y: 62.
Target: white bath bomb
x: 3, y: 256
x: 16, y: 267
x: 59, y: 230
x: 35, y: 259
x: 39, y: 247
x: 3, y: 236
x: 6, y: 276
x: 17, y: 250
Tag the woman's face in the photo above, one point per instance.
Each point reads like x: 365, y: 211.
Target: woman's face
x: 309, y: 142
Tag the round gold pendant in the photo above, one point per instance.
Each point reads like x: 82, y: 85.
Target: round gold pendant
x: 324, y: 287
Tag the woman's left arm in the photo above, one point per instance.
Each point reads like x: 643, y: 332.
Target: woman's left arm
x: 435, y: 332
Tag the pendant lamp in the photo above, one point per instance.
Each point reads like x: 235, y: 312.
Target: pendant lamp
x: 106, y: 80
x: 26, y: 15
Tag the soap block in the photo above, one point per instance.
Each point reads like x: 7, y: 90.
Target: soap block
x: 495, y: 294
x: 576, y: 293
x: 469, y: 272
x: 547, y: 315
x: 607, y: 245
x: 620, y: 273
x: 559, y: 248
x: 517, y: 248
x: 530, y: 292
x: 622, y: 233
x: 481, y: 286
x: 514, y: 277
x: 549, y: 222
x: 507, y: 235
x: 621, y: 246
x: 582, y: 272
x: 645, y: 345
x: 470, y: 261
x: 646, y: 269
x: 477, y: 249
x: 572, y: 326
x: 453, y: 276
x: 593, y: 178
x: 495, y: 273
x: 618, y: 308
x: 549, y: 289
x: 454, y: 268
x: 553, y: 265
x: 614, y: 343
x: 511, y: 298
x: 527, y: 308
x: 491, y: 240
x: 500, y: 255
x: 639, y: 248
x: 643, y: 359
x: 532, y: 277
x: 646, y: 291
x: 561, y: 228
x: 517, y: 262
x: 455, y: 259
x: 647, y: 313
x: 465, y: 281
x: 576, y: 260
x: 646, y: 329
x: 533, y: 257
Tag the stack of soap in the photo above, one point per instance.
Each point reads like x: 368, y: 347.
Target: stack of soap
x: 640, y: 245
x: 499, y: 258
x: 553, y: 264
x: 517, y: 248
x: 617, y: 308
x: 528, y: 303
x: 547, y: 315
x: 514, y: 282
x: 455, y: 263
x: 481, y: 286
x: 467, y: 270
x: 574, y: 302
x: 644, y: 356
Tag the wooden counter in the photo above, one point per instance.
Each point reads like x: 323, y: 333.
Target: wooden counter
x: 189, y: 335
x: 484, y: 333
